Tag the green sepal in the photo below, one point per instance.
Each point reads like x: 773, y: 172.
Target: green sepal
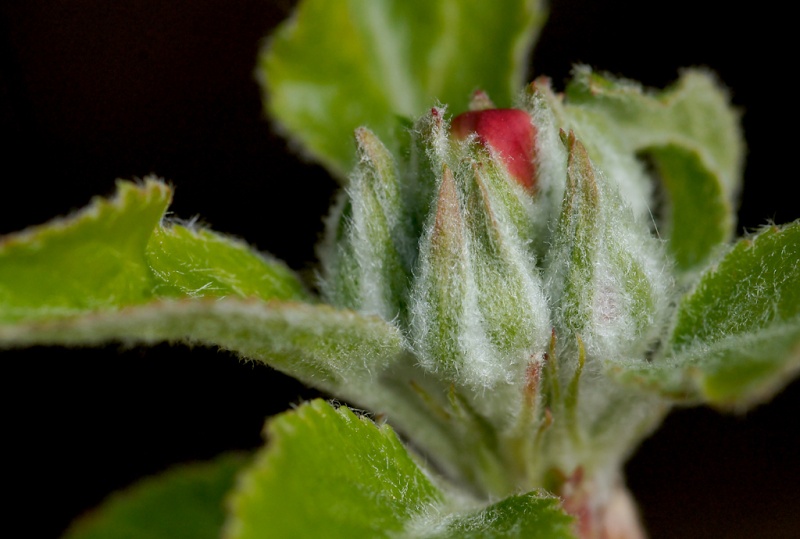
x: 186, y: 502
x: 608, y: 285
x: 479, y: 314
x: 335, y: 66
x: 326, y: 470
x: 570, y: 262
x: 693, y: 138
x: 736, y: 337
x: 429, y: 146
x: 513, y: 312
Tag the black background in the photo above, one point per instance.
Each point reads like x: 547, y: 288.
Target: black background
x: 92, y: 90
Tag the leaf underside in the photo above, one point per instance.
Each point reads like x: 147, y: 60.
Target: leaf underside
x: 113, y: 272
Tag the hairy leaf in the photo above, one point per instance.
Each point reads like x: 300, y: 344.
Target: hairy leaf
x: 736, y: 339
x: 327, y: 348
x: 195, y: 262
x: 691, y: 135
x: 94, y: 259
x: 111, y: 272
x: 526, y: 516
x: 115, y: 253
x: 329, y: 472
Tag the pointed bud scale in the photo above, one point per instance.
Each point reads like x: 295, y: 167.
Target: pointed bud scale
x: 605, y: 271
x: 428, y: 146
x: 508, y: 133
x: 512, y: 307
x: 439, y: 297
x: 480, y: 101
x: 478, y: 313
x: 364, y: 265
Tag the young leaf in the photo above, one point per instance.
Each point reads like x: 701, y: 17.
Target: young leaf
x: 329, y: 472
x: 334, y: 350
x: 97, y: 277
x: 94, y: 259
x: 335, y: 66
x: 114, y: 254
x: 691, y: 135
x: 196, y: 262
x: 525, y: 516
x: 736, y: 338
x: 185, y: 502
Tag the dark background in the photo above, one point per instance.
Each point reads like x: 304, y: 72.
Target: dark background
x: 92, y: 90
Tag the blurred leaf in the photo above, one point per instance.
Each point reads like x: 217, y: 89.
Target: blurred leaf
x: 700, y: 217
x: 94, y: 259
x: 335, y: 66
x: 185, y: 502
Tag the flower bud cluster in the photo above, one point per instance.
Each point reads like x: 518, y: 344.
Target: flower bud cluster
x: 514, y: 267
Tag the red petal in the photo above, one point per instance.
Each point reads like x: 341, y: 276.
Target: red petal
x: 508, y: 133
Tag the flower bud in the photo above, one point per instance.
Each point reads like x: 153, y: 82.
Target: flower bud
x: 605, y: 271
x: 365, y: 267
x: 508, y: 133
x: 477, y: 311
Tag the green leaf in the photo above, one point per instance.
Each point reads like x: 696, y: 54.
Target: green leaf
x: 99, y: 276
x: 328, y: 469
x: 329, y: 472
x: 94, y: 259
x: 736, y: 339
x: 526, y: 516
x: 114, y: 253
x: 195, y: 262
x: 185, y: 502
x: 338, y: 351
x: 693, y: 138
x: 335, y: 66
x: 700, y: 219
